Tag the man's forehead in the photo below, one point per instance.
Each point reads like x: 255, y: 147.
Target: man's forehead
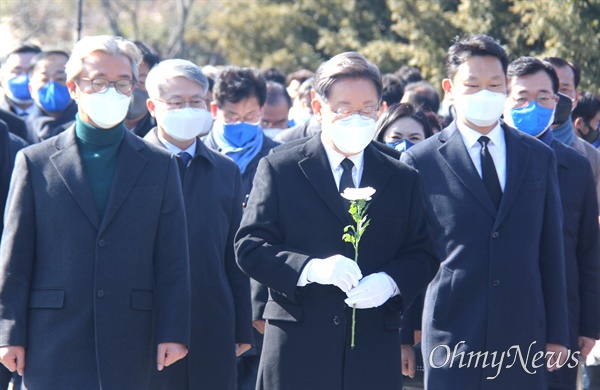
x: 245, y: 105
x: 532, y: 83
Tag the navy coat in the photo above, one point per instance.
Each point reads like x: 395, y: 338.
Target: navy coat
x: 294, y: 214
x: 221, y: 311
x: 582, y: 252
x: 501, y: 283
x: 81, y: 293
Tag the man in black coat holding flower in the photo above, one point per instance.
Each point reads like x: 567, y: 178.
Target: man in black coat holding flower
x: 291, y: 241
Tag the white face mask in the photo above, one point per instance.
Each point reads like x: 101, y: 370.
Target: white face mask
x: 482, y: 108
x: 352, y: 134
x: 106, y: 109
x: 186, y: 123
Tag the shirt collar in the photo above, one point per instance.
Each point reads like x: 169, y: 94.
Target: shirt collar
x: 335, y: 158
x: 470, y: 137
x: 174, y: 149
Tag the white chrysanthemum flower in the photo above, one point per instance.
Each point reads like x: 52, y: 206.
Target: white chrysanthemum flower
x: 358, y: 193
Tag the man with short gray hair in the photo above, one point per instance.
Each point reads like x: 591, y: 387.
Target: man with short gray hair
x: 221, y: 324
x: 94, y: 274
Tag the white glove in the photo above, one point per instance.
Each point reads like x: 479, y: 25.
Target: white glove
x: 372, y: 291
x: 337, y: 270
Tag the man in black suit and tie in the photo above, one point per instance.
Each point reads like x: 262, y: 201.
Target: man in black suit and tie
x: 494, y: 206
x: 291, y: 241
x: 94, y: 281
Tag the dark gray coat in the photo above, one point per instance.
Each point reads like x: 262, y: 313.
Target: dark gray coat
x: 81, y: 293
x: 221, y: 311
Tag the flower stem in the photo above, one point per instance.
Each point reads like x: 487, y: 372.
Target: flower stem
x: 352, y: 345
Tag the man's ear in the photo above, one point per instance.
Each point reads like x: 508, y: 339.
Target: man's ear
x: 317, y: 105
x: 213, y: 110
x: 151, y: 107
x: 72, y: 89
x: 579, y: 125
x: 447, y: 87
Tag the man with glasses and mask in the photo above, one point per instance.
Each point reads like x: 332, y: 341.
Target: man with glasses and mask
x: 221, y: 325
x: 494, y: 206
x: 94, y: 288
x: 290, y: 240
x: 239, y: 96
x: 531, y: 103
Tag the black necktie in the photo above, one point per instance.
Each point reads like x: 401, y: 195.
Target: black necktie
x: 488, y: 172
x: 346, y: 179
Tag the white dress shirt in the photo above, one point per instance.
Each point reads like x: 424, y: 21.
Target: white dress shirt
x: 174, y: 149
x: 335, y: 160
x: 496, y: 146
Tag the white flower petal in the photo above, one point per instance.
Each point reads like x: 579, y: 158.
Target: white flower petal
x: 358, y: 193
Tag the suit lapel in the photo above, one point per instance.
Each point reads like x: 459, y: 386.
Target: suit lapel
x: 517, y: 160
x: 317, y: 170
x: 459, y: 161
x: 376, y: 172
x: 130, y: 163
x: 67, y: 162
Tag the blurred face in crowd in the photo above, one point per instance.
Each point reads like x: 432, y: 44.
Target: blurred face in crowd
x: 292, y: 88
x: 405, y: 128
x: 275, y: 116
x: 143, y: 71
x: 348, y: 97
x: 478, y: 73
x: 47, y: 84
x: 15, y: 65
x: 115, y: 70
x: 566, y: 83
x: 247, y: 110
x: 583, y: 128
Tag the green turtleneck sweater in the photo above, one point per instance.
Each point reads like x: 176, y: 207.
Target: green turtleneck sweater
x: 98, y: 149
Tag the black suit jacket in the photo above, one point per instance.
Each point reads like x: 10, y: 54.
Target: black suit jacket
x: 295, y: 213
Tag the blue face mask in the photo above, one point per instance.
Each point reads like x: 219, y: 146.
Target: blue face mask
x: 54, y: 97
x: 238, y: 134
x: 19, y: 89
x: 400, y: 146
x: 532, y: 119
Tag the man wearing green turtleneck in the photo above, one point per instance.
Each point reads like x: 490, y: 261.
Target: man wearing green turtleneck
x: 94, y: 273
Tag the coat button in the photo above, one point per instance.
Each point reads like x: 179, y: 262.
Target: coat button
x: 496, y: 283
x: 336, y: 320
x: 100, y: 293
x: 495, y: 235
x: 101, y: 243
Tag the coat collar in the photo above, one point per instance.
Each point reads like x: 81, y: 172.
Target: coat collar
x: 317, y: 170
x: 67, y: 162
x: 454, y: 152
x: 201, y: 149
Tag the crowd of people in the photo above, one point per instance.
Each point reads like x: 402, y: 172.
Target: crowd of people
x: 169, y: 225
